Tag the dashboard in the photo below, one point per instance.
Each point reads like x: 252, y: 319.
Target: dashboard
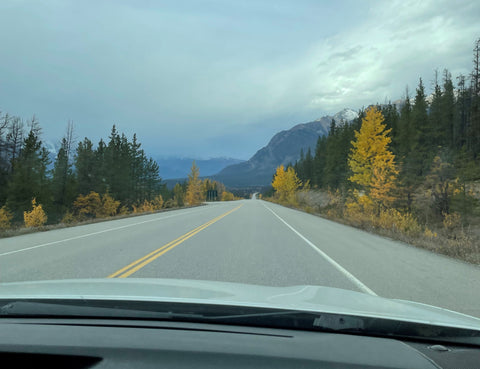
x: 123, y: 343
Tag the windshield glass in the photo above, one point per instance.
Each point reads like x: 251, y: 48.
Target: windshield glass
x: 258, y: 143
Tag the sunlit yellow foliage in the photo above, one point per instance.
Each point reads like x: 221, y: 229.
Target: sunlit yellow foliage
x: 452, y: 221
x: 429, y: 234
x: 94, y: 206
x: 147, y: 206
x: 5, y: 218
x: 123, y: 210
x: 109, y: 206
x: 157, y: 202
x: 371, y: 161
x: 227, y: 196
x: 360, y: 209
x: 36, y: 217
x: 68, y: 218
x: 393, y: 220
x: 88, y: 206
x: 194, y: 193
x: 286, y: 183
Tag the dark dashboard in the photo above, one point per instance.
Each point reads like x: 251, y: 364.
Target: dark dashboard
x: 122, y: 343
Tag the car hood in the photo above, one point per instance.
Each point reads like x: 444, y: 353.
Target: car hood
x: 302, y: 298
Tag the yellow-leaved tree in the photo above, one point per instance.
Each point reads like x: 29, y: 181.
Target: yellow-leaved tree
x: 194, y: 193
x: 371, y: 161
x: 36, y: 217
x: 286, y: 183
x: 5, y: 218
x: 227, y: 196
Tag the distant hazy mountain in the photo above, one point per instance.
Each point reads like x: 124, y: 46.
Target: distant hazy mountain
x: 283, y: 148
x: 174, y: 167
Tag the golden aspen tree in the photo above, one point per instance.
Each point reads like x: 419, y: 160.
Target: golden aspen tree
x: 36, y: 217
x: 371, y: 161
x: 5, y: 218
x: 286, y: 183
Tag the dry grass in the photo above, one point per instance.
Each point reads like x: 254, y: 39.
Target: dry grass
x: 450, y: 239
x: 18, y: 231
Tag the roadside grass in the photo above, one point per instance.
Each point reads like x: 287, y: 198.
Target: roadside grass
x: 460, y: 242
x: 21, y: 230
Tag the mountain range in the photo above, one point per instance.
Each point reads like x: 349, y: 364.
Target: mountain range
x: 283, y: 148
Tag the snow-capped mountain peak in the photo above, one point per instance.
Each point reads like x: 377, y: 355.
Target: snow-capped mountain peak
x: 347, y: 115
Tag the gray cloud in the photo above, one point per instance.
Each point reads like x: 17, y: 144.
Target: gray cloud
x: 211, y: 78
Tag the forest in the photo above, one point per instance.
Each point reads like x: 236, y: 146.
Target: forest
x: 85, y: 181
x: 412, y: 167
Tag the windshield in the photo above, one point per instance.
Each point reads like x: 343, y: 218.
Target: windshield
x: 257, y: 143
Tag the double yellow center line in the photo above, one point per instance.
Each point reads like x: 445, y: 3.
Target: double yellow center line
x: 140, y: 263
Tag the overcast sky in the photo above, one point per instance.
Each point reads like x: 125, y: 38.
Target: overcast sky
x: 219, y: 78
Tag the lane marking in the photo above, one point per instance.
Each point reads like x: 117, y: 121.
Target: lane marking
x: 341, y: 269
x: 93, y: 233
x: 140, y: 263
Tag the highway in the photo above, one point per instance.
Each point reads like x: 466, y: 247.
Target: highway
x: 247, y: 241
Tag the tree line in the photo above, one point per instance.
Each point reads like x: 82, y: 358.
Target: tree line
x: 118, y: 167
x: 86, y: 180
x: 434, y: 140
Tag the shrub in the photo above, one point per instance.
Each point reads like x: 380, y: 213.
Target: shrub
x: 5, y: 218
x: 88, y: 206
x: 147, y: 206
x: 68, y: 218
x: 170, y: 203
x: 109, y: 206
x: 360, y: 210
x: 393, y: 220
x: 123, y: 210
x: 227, y: 196
x: 36, y: 217
x: 157, y: 202
x: 429, y: 234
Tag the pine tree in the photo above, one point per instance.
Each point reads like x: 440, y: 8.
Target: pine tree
x: 319, y: 162
x: 63, y: 182
x: 448, y: 110
x: 86, y: 167
x: 437, y: 131
x: 474, y: 126
x: 29, y: 179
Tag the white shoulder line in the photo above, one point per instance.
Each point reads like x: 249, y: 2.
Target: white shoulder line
x: 93, y: 233
x: 347, y: 274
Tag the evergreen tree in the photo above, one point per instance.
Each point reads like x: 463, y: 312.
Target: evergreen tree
x: 448, y: 111
x: 29, y: 180
x: 437, y: 131
x: 63, y: 182
x: 86, y: 167
x: 319, y: 162
x: 474, y: 126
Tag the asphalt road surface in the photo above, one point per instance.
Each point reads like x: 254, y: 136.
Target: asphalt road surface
x: 248, y: 241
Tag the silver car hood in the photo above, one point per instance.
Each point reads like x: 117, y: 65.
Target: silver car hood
x: 305, y: 298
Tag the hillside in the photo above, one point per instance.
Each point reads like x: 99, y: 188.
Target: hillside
x: 283, y: 148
